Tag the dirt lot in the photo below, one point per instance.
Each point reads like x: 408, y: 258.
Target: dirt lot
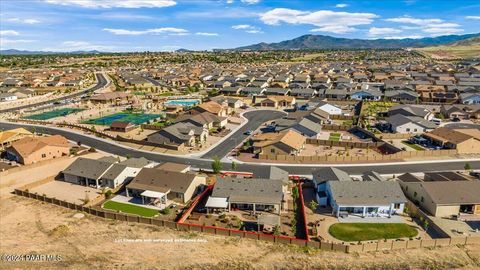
x: 29, y: 226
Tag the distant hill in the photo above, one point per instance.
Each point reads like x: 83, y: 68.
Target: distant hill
x: 25, y: 52
x: 474, y: 41
x: 317, y: 42
x: 463, y: 49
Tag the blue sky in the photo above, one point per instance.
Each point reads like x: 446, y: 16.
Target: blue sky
x: 165, y: 25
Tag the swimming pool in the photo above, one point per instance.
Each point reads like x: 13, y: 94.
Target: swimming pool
x: 183, y: 102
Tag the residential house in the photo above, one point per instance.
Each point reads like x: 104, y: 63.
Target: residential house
x: 122, y: 126
x: 365, y: 198
x: 12, y: 135
x: 276, y: 101
x: 253, y: 194
x: 470, y: 98
x: 211, y: 107
x: 409, y: 124
x: 205, y: 119
x: 283, y: 143
x: 163, y: 187
x: 323, y: 175
x: 442, y: 198
x: 411, y: 110
x: 30, y: 150
x: 179, y: 134
x: 465, y: 141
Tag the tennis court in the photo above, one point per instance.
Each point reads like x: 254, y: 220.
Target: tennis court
x: 53, y: 114
x: 135, y: 118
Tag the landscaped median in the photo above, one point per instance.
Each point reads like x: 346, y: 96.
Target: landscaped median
x: 130, y: 209
x: 371, y: 231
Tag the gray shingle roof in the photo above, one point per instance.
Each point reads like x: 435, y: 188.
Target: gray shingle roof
x: 249, y: 190
x: 88, y: 168
x: 330, y: 174
x: 366, y: 193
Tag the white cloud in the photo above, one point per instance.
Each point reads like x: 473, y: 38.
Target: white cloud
x: 230, y: 1
x: 414, y: 20
x: 337, y: 29
x: 5, y: 42
x: 114, y: 3
x: 206, y: 34
x: 380, y: 31
x: 403, y: 37
x: 250, y: 2
x: 170, y: 30
x: 23, y: 21
x: 325, y: 20
x: 73, y: 45
x: 9, y: 33
x: 433, y: 27
x: 341, y: 5
x: 242, y: 26
x: 254, y: 31
x: 473, y: 17
x: 248, y: 28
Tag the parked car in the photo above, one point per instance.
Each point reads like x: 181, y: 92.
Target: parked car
x: 248, y: 132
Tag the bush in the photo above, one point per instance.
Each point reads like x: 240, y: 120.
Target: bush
x: 108, y: 194
x: 165, y: 211
x: 92, y: 150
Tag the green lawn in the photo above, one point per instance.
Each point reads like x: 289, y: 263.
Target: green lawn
x: 371, y: 231
x: 334, y: 137
x: 131, y: 209
x: 412, y: 145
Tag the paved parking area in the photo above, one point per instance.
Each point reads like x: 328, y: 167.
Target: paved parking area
x: 67, y: 192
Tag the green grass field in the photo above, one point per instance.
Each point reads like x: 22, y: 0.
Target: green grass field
x: 53, y: 114
x: 371, y: 231
x: 131, y: 209
x: 136, y: 118
x: 412, y: 145
x: 334, y: 137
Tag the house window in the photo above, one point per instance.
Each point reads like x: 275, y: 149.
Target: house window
x: 396, y: 206
x: 272, y: 150
x: 44, y: 155
x: 408, y: 129
x: 421, y: 199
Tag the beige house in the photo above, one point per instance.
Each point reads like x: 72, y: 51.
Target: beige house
x: 284, y: 143
x: 444, y: 198
x: 276, y: 101
x: 211, y: 107
x: 34, y: 149
x: 466, y: 141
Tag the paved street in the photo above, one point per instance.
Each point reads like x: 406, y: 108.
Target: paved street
x: 101, y: 82
x: 302, y: 169
x: 255, y: 119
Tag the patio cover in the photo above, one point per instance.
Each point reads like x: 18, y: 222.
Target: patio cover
x: 153, y: 194
x: 216, y: 202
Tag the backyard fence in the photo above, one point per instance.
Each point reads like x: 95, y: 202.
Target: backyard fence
x: 343, y: 143
x: 367, y: 157
x: 323, y: 245
x: 336, y: 127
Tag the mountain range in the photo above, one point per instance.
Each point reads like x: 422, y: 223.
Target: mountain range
x: 319, y: 42
x: 313, y: 42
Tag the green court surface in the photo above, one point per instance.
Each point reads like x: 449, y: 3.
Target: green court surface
x: 135, y: 118
x: 53, y: 114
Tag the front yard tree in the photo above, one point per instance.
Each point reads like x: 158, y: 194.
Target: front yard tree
x: 313, y: 205
x: 234, y: 166
x: 216, y: 165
